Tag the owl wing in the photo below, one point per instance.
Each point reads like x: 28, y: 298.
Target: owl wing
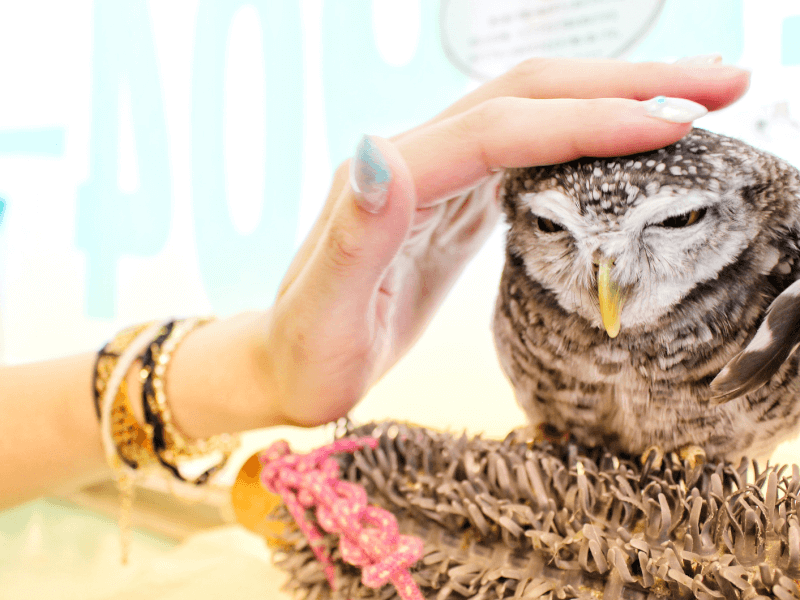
x: 776, y: 339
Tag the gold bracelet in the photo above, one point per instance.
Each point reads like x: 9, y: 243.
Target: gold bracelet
x: 127, y: 444
x: 132, y: 440
x: 190, y: 460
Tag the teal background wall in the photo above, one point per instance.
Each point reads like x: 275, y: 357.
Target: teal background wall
x: 167, y: 158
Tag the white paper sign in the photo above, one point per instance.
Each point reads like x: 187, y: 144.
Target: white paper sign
x: 485, y: 38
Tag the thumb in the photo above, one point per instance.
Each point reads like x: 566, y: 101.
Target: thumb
x: 365, y: 231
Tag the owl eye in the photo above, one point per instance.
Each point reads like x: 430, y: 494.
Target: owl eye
x: 684, y: 220
x: 547, y: 225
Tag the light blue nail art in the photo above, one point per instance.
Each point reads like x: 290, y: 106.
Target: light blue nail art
x: 2, y: 210
x: 370, y: 176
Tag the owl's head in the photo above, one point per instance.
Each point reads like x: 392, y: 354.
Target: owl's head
x: 622, y: 241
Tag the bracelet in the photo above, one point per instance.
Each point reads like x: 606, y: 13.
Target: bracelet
x: 107, y: 359
x: 177, y: 453
x: 131, y: 441
x: 126, y: 443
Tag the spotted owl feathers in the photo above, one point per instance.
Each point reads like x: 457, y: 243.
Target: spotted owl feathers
x: 651, y: 299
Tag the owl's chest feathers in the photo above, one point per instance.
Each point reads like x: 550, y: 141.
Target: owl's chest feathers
x: 639, y: 389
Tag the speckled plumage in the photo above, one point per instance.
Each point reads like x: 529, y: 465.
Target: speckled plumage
x: 695, y: 296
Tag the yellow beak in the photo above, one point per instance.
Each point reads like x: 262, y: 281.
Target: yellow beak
x: 610, y: 297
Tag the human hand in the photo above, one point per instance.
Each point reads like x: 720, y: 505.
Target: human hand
x: 404, y: 217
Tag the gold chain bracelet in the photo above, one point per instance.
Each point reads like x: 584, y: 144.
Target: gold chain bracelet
x: 175, y: 451
x: 126, y: 443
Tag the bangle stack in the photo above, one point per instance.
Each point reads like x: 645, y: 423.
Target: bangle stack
x: 156, y: 446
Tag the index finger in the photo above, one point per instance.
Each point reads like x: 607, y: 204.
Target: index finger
x: 447, y: 157
x: 712, y: 85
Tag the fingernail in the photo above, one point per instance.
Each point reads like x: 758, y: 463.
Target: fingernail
x: 674, y: 110
x: 2, y: 210
x: 370, y: 176
x: 700, y: 60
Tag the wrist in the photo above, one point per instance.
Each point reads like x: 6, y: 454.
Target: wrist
x: 219, y: 379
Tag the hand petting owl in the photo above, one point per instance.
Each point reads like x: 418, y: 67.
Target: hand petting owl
x: 652, y: 299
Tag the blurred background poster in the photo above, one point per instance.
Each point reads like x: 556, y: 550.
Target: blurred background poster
x: 166, y: 158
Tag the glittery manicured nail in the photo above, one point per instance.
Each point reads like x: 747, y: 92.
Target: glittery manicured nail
x: 2, y: 210
x: 700, y: 60
x: 674, y: 110
x: 370, y: 176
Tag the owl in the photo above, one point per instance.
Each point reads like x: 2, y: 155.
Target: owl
x: 653, y: 300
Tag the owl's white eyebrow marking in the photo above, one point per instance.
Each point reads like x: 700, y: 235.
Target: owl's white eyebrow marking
x: 663, y: 206
x: 554, y: 205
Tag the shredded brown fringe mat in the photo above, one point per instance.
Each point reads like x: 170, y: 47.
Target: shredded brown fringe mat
x: 504, y: 519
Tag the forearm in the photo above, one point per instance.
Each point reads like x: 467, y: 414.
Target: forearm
x: 50, y: 436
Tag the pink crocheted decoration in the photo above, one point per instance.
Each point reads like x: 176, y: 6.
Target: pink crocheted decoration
x: 368, y: 535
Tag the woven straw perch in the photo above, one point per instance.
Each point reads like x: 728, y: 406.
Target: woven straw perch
x: 509, y: 519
